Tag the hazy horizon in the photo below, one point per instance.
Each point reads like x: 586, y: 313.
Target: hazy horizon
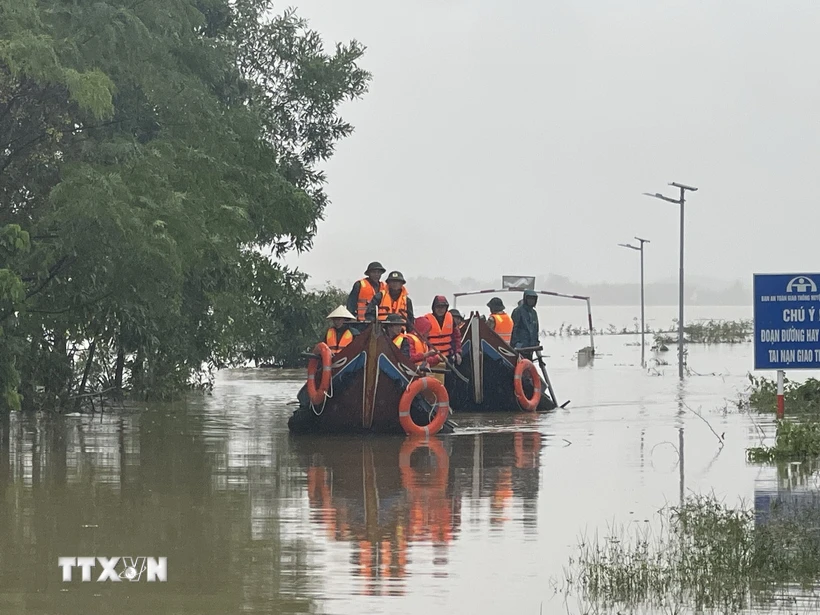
x: 538, y: 129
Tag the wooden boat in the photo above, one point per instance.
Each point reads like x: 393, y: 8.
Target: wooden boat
x: 368, y: 378
x: 489, y: 364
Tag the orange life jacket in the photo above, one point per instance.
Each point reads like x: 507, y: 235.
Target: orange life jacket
x: 503, y: 325
x: 366, y: 293
x: 441, y: 337
x: 335, y: 342
x: 388, y: 306
x: 417, y: 346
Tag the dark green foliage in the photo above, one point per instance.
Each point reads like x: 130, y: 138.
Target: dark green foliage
x: 799, y: 397
x: 159, y: 155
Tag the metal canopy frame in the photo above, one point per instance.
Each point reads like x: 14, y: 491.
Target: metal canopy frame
x: 539, y: 292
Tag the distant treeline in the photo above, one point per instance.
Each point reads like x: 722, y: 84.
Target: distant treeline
x: 422, y: 289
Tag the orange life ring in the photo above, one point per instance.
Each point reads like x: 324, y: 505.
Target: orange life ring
x: 531, y: 403
x: 317, y: 395
x: 443, y: 407
x: 408, y: 475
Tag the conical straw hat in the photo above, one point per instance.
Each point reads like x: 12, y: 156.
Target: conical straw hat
x: 341, y: 312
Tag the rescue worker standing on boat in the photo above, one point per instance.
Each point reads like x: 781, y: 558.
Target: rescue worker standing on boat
x: 525, y: 324
x: 394, y: 300
x: 340, y: 334
x: 365, y: 289
x: 499, y: 321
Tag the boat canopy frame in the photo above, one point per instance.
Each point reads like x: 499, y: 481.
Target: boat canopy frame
x: 539, y: 292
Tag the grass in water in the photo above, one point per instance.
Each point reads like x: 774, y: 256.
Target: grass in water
x: 705, y: 557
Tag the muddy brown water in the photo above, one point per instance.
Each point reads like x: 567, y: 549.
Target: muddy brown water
x: 252, y: 520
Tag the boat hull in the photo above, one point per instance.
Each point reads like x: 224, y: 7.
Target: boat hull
x: 368, y: 378
x: 489, y: 364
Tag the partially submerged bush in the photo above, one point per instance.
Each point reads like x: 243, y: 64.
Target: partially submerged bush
x: 793, y: 442
x: 706, y: 556
x: 798, y: 397
x: 719, y: 332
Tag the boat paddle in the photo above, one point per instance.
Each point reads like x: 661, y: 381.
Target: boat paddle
x: 543, y: 366
x: 447, y: 362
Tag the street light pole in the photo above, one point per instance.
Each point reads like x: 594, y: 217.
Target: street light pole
x: 680, y: 201
x: 643, y: 313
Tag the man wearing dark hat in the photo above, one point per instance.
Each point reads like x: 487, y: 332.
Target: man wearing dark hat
x: 365, y: 289
x: 525, y: 324
x: 393, y: 300
x: 458, y: 319
x: 499, y: 320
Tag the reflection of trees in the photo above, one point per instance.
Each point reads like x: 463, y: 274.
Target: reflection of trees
x: 389, y: 498
x: 167, y: 481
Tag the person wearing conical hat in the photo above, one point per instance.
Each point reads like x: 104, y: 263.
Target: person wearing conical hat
x: 394, y: 300
x: 499, y: 320
x: 364, y: 290
x: 340, y: 334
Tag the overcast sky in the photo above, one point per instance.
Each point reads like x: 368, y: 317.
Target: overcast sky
x: 517, y: 138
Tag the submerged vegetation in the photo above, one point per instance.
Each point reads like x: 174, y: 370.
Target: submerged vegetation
x: 794, y: 441
x: 156, y: 162
x: 799, y: 397
x: 706, y: 556
x: 708, y: 332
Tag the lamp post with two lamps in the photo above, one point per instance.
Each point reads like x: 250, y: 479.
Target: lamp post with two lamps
x: 680, y: 201
x: 643, y: 316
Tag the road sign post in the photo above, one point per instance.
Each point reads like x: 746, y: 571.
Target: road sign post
x: 787, y: 325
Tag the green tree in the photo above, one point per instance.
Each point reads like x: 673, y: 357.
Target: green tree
x: 161, y: 155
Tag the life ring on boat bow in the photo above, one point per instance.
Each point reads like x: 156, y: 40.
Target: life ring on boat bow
x: 442, y: 407
x: 527, y: 403
x: 317, y: 394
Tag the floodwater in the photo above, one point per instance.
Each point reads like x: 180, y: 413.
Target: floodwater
x: 484, y: 521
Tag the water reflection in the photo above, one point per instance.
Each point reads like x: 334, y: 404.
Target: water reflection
x: 244, y: 513
x: 159, y: 482
x: 399, y: 501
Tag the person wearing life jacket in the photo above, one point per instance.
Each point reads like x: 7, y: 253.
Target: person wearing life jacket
x: 394, y: 300
x: 365, y: 289
x: 393, y: 326
x: 414, y: 345
x: 525, y: 324
x: 340, y: 334
x: 458, y: 319
x: 499, y: 321
x: 444, y: 335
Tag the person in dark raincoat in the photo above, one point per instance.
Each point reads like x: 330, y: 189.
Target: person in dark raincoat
x: 525, y: 324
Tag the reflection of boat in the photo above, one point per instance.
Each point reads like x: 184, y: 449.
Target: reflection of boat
x: 381, y: 495
x: 489, y: 362
x: 367, y: 379
x: 385, y: 495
